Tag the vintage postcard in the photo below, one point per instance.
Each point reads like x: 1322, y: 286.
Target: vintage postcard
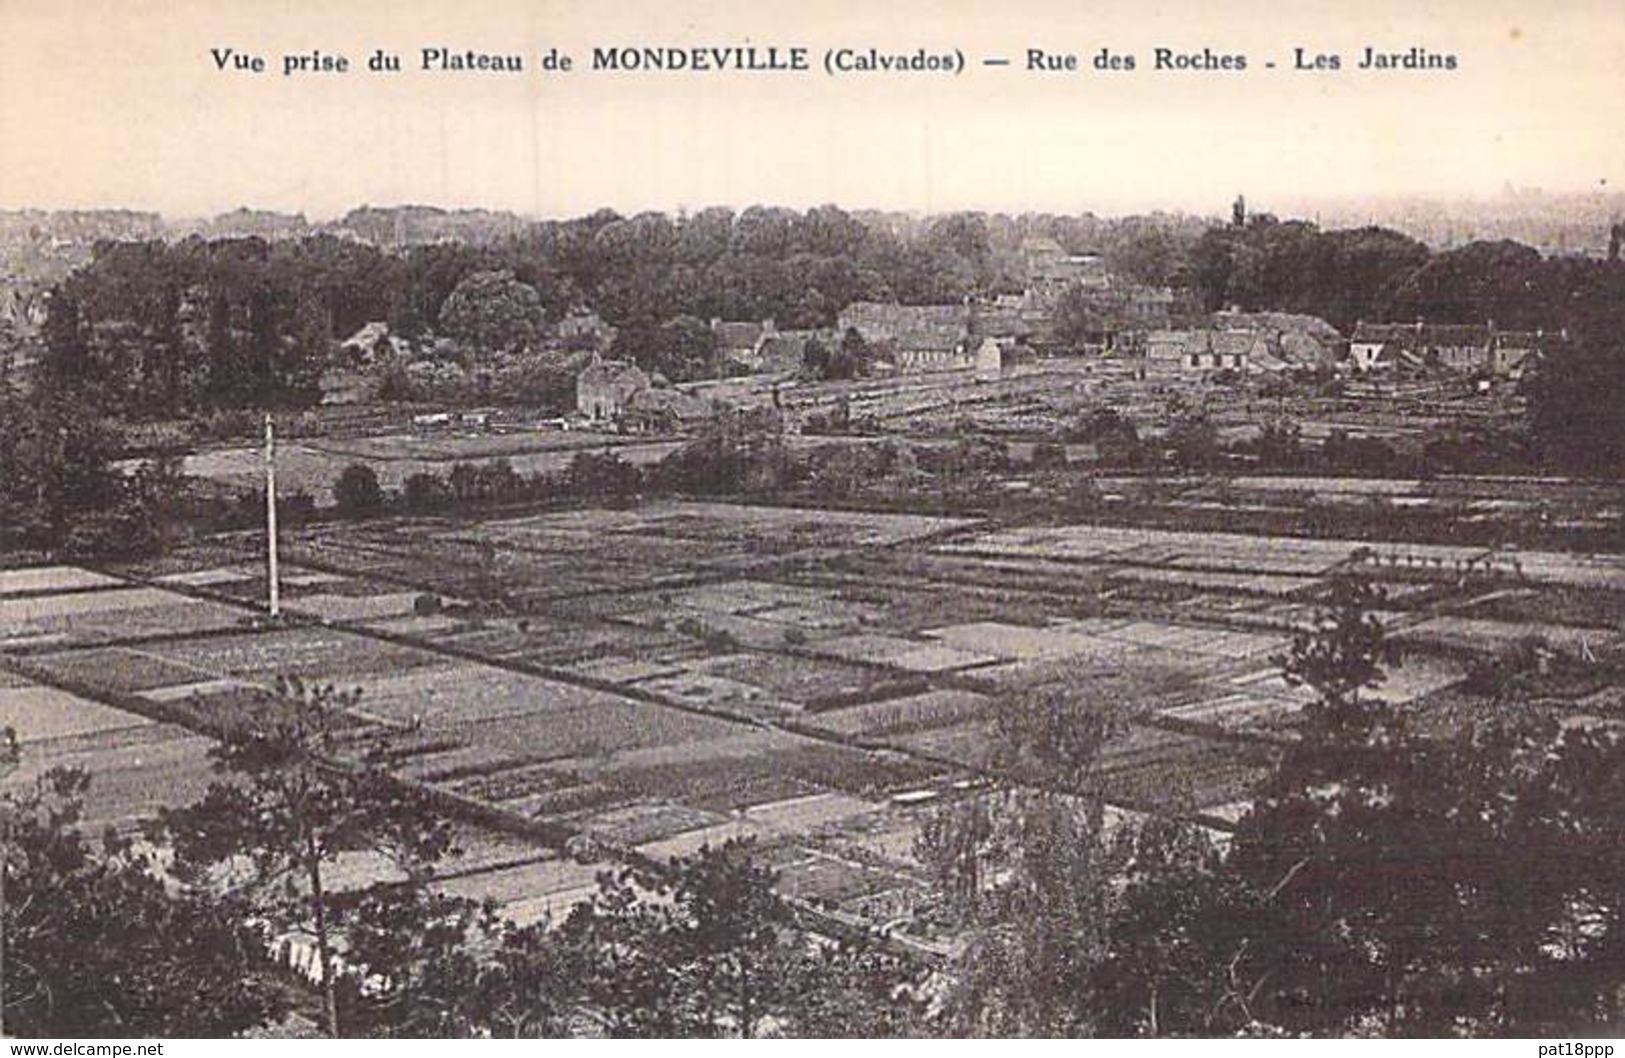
x: 703, y: 519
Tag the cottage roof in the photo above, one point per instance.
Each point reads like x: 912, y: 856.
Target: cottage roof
x: 933, y: 339
x: 1279, y: 323
x: 674, y: 402
x: 1041, y: 244
x: 784, y: 352
x: 1456, y: 334
x: 1381, y: 333
x: 1174, y: 343
x: 1180, y: 344
x: 1235, y: 343
x: 1303, y: 349
x: 898, y: 317
x: 368, y: 336
x: 1520, y: 340
x: 612, y: 372
x: 1004, y: 322
x: 737, y: 335
x: 1412, y: 336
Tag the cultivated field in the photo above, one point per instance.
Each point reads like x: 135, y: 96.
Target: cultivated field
x: 652, y: 679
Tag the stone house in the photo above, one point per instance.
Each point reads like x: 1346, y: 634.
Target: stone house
x: 664, y: 410
x: 1299, y: 341
x: 606, y: 388
x: 1176, y: 353
x: 741, y: 342
x: 1461, y: 348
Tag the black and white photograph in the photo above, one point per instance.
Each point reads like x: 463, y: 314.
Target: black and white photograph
x: 534, y: 519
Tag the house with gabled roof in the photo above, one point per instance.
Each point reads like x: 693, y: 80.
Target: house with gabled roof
x: 1297, y: 341
x: 1511, y: 352
x: 740, y: 341
x: 785, y: 353
x: 606, y: 388
x: 1171, y: 353
x: 1471, y: 348
x: 663, y: 409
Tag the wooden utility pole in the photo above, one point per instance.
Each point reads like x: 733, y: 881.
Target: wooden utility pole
x: 270, y: 519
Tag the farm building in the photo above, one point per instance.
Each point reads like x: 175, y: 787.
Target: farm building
x: 741, y: 342
x: 371, y: 342
x: 943, y: 337
x: 662, y: 410
x: 879, y: 322
x: 922, y: 351
x: 349, y: 376
x: 1197, y: 352
x: 761, y: 348
x: 1462, y: 348
x: 1510, y: 351
x: 605, y: 388
x: 1300, y: 341
x: 1048, y: 264
x: 1385, y: 346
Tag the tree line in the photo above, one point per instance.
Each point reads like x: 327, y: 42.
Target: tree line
x: 153, y: 329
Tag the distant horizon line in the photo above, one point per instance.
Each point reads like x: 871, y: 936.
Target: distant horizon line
x: 1297, y: 204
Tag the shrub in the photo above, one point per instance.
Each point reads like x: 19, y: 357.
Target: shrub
x: 357, y: 490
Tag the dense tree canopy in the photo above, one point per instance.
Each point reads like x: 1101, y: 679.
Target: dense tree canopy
x: 152, y: 329
x: 1577, y: 404
x: 494, y: 312
x: 96, y: 944
x: 1386, y: 882
x: 290, y: 799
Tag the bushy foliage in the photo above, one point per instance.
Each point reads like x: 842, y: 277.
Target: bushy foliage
x: 97, y: 945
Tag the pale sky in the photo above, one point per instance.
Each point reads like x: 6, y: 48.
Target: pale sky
x: 117, y: 103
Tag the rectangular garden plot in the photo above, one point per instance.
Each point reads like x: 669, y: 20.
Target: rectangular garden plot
x: 321, y: 654
x: 454, y: 696
x: 1017, y: 642
x: 535, y: 892
x: 334, y: 607
x: 911, y: 655
x: 133, y: 770
x: 1238, y: 712
x: 625, y: 670
x: 805, y: 682
x: 40, y: 714
x: 644, y: 823
x: 593, y: 725
x: 787, y: 769
x: 829, y: 883
x: 39, y: 579
x: 112, y: 614
x: 212, y: 577
x: 969, y: 743
x: 692, y: 842
x: 123, y: 670
x: 801, y: 816
x: 917, y: 712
